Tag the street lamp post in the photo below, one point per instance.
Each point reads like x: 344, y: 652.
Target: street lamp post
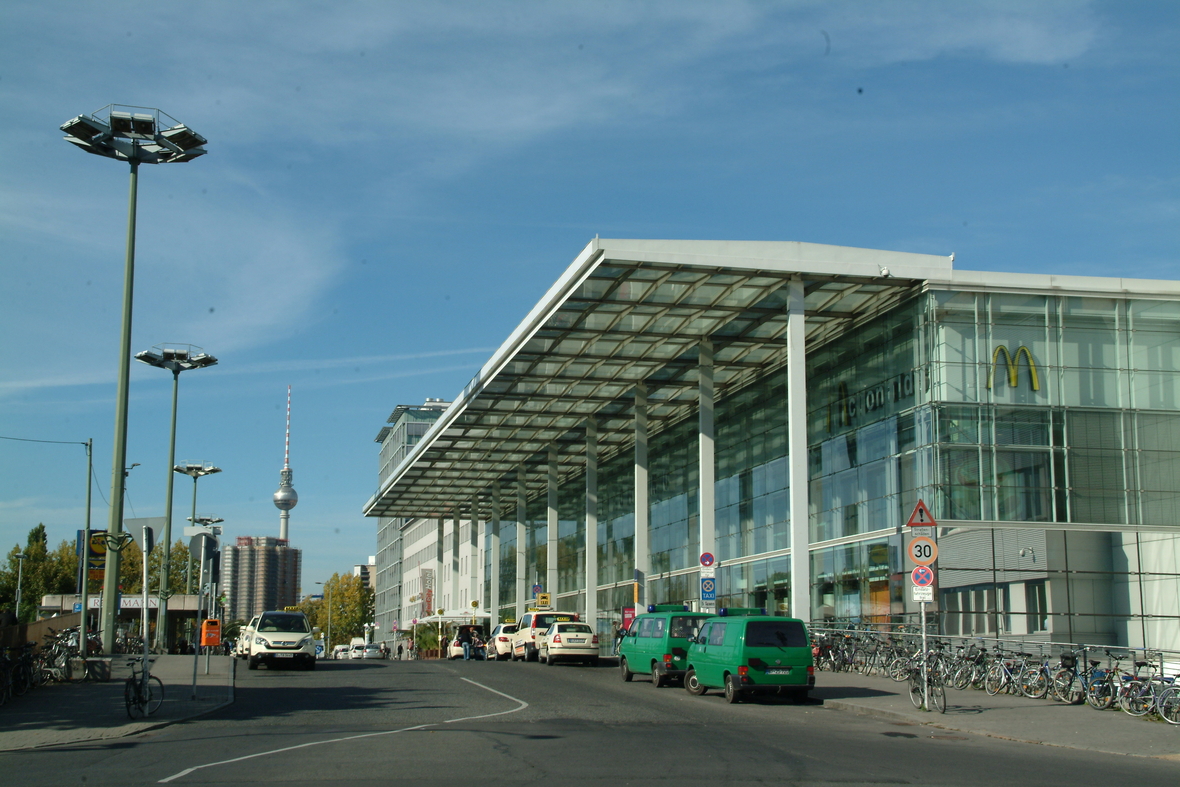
x: 196, y: 470
x: 20, y: 573
x: 328, y: 601
x: 176, y: 359
x: 134, y: 137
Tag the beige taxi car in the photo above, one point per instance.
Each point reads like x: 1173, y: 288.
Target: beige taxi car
x: 568, y: 642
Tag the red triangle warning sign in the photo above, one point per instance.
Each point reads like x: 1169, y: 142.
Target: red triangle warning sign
x: 921, y: 517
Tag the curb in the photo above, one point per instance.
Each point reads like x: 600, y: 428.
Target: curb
x: 890, y: 715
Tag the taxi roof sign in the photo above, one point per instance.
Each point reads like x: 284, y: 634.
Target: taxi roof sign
x: 921, y: 517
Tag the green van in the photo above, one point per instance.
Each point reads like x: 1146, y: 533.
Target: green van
x: 745, y: 652
x: 657, y: 642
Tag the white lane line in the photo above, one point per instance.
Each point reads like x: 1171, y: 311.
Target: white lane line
x: 520, y: 707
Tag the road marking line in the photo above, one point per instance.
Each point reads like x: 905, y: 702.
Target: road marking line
x: 521, y: 707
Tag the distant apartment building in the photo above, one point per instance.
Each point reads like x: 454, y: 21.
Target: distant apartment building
x: 260, y: 573
x: 367, y: 572
x: 407, y: 425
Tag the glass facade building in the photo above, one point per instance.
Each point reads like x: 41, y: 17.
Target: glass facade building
x: 1038, y: 417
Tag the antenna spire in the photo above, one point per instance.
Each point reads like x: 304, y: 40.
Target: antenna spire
x: 287, y: 446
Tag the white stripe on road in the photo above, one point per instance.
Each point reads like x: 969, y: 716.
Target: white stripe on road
x: 520, y: 707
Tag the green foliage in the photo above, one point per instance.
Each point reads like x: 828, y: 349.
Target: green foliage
x: 54, y: 572
x: 45, y: 572
x: 351, y: 608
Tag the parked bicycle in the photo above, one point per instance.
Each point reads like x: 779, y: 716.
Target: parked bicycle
x: 143, y: 693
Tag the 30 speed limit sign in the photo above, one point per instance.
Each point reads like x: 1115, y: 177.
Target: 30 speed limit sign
x: 923, y: 551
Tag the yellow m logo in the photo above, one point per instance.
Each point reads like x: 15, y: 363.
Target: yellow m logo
x: 1013, y: 362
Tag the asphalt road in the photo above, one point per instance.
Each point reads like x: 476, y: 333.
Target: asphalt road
x: 375, y: 722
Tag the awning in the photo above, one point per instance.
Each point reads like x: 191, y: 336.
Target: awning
x: 629, y: 312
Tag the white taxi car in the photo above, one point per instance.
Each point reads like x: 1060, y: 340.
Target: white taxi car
x: 283, y: 638
x: 242, y: 645
x: 531, y: 626
x: 568, y: 642
x: 500, y: 641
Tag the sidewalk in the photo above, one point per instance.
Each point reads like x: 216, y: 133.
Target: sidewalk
x: 71, y: 712
x: 1004, y: 716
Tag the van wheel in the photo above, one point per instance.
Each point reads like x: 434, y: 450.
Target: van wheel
x: 657, y: 680
x: 626, y: 673
x: 692, y: 685
x: 733, y: 692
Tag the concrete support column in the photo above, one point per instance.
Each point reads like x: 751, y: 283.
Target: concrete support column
x: 551, y: 530
x: 592, y: 524
x: 797, y: 452
x: 455, y: 603
x: 494, y: 546
x: 521, y: 535
x: 706, y: 457
x: 437, y: 590
x: 474, y: 560
x: 642, y: 505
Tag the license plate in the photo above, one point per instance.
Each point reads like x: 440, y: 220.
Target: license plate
x: 284, y: 655
x: 576, y: 641
x: 778, y: 671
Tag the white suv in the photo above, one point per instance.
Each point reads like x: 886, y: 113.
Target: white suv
x: 282, y: 638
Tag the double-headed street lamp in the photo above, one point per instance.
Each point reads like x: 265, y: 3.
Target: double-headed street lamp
x: 176, y: 358
x: 145, y: 136
x: 196, y: 470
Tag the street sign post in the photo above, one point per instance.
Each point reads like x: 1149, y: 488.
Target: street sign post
x: 708, y: 591
x: 922, y: 576
x: 921, y: 521
x: 922, y: 593
x: 923, y: 551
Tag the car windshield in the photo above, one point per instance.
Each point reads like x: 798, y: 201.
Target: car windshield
x: 686, y: 626
x: 775, y: 634
x: 295, y: 624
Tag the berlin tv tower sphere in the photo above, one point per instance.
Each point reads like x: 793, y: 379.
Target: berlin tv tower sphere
x: 286, y: 498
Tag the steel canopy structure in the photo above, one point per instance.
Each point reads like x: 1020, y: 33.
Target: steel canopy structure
x: 628, y: 314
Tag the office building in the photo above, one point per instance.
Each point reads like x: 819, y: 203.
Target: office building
x: 260, y: 573
x: 778, y: 409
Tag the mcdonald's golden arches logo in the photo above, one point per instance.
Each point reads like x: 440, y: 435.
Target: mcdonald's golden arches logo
x: 1013, y: 362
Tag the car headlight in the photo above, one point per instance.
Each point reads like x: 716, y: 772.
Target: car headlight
x: 303, y: 642
x: 262, y: 642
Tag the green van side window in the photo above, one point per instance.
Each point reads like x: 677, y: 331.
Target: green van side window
x: 776, y: 634
x: 645, y: 629
x: 717, y: 634
x: 658, y: 631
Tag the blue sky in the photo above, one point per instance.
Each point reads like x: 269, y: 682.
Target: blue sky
x: 391, y: 186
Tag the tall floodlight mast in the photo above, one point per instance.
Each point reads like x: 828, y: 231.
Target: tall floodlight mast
x: 286, y: 497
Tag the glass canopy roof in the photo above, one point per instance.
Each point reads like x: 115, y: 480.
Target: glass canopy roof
x: 624, y: 313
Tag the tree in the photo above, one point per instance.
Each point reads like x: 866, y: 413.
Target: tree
x: 352, y: 607
x: 44, y: 573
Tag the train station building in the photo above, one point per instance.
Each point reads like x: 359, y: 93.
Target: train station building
x: 782, y: 407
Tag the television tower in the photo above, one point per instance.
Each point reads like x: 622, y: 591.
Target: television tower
x: 286, y: 497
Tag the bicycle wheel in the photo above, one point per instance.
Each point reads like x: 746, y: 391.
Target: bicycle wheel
x: 1168, y: 705
x: 916, y: 690
x: 1137, y: 698
x: 155, y: 696
x: 1100, y: 694
x: 1067, y: 687
x: 898, y: 669
x: 937, y: 698
x: 995, y: 679
x: 1034, y: 683
x: 961, y: 679
x: 132, y: 699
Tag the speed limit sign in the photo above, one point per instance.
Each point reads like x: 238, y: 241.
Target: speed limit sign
x: 923, y: 551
